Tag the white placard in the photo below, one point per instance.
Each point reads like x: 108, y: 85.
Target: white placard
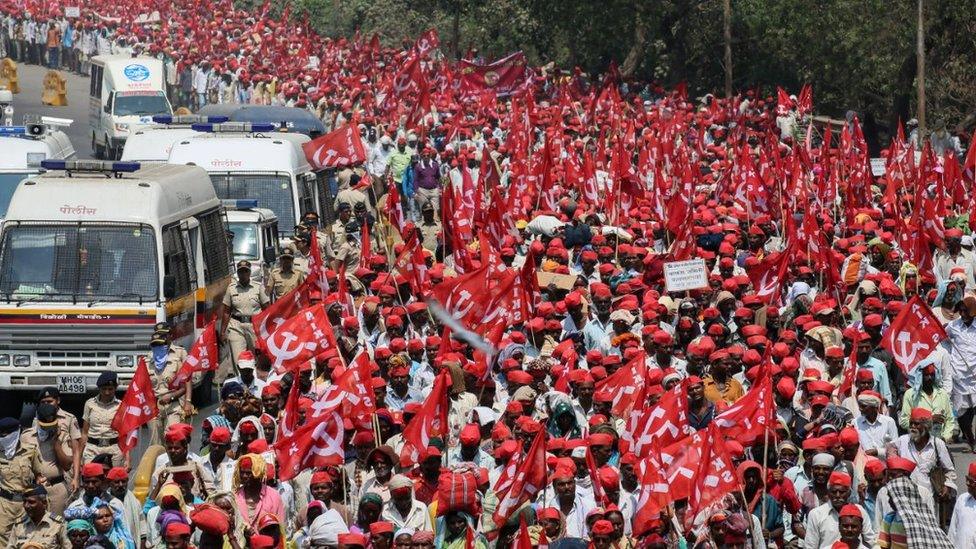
x: 72, y: 11
x: 680, y: 276
x: 878, y: 167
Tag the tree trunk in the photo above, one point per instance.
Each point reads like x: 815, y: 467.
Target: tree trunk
x: 638, y: 44
x: 456, y: 31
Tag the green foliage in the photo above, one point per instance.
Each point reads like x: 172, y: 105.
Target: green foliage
x: 858, y: 54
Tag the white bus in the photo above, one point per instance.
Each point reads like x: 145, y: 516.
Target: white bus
x: 124, y: 94
x: 251, y: 161
x: 92, y: 255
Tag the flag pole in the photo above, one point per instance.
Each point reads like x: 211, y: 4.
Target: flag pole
x: 765, y: 465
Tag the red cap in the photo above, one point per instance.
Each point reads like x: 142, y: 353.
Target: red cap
x: 840, y: 479
x: 117, y: 473
x: 381, y: 527
x: 470, y: 435
x: 178, y: 529
x: 221, y: 435
x: 898, y: 463
x: 210, y: 519
x: 90, y: 470
x: 851, y: 510
x: 921, y: 414
x: 320, y: 477
x: 351, y: 539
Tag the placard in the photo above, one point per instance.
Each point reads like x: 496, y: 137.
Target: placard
x: 878, y: 166
x: 72, y: 11
x: 680, y: 276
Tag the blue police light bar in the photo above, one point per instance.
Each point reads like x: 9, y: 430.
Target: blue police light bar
x: 12, y: 130
x: 188, y: 119
x: 90, y: 166
x: 233, y: 127
x: 240, y: 203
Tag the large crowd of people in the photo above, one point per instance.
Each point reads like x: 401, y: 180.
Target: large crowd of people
x: 519, y: 266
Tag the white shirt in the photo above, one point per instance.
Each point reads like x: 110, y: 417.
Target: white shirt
x: 962, y: 350
x: 926, y: 459
x: 417, y: 518
x: 962, y: 528
x: 576, y: 518
x: 874, y: 436
x: 823, y: 528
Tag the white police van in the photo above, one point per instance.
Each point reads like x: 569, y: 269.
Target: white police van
x: 124, y: 94
x: 253, y: 161
x: 92, y: 255
x: 22, y: 148
x: 153, y: 144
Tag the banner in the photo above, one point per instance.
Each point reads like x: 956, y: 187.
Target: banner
x: 503, y: 77
x: 339, y: 148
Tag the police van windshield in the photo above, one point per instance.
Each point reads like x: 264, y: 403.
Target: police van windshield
x: 272, y: 191
x: 81, y: 262
x: 245, y: 240
x: 8, y: 184
x: 141, y: 104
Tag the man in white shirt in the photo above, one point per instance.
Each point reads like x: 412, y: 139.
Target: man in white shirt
x: 874, y: 430
x: 379, y: 157
x: 573, y: 504
x: 403, y: 510
x: 200, y: 84
x: 822, y: 527
x: 962, y: 527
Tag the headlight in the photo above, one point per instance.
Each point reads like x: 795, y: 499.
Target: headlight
x: 124, y: 361
x: 4, y: 360
x: 22, y: 360
x: 120, y: 127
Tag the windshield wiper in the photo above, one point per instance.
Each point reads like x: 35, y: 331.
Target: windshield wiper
x: 27, y: 300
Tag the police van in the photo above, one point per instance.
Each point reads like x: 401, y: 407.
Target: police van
x: 92, y: 255
x: 253, y: 235
x: 22, y: 148
x: 154, y: 143
x: 252, y: 161
x: 125, y: 92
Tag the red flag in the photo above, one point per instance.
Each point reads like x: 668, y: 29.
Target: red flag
x: 653, y: 493
x: 300, y: 339
x: 804, y: 102
x: 358, y: 402
x: 530, y: 479
x: 502, y: 77
x: 522, y: 540
x: 750, y: 416
x: 599, y: 494
x: 138, y: 407
x: 626, y: 385
x: 393, y: 209
x: 315, y: 444
x: 715, y: 477
x: 661, y: 425
x: 338, y: 148
x: 317, y: 268
x: 768, y: 276
x: 430, y: 421
x: 783, y: 102
x: 203, y: 357
x: 850, y: 370
x: 413, y: 264
x: 287, y: 306
x: 681, y: 461
x: 913, y: 334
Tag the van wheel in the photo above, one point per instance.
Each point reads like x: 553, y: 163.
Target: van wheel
x: 97, y: 150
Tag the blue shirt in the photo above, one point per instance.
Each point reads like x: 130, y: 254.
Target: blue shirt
x: 880, y: 373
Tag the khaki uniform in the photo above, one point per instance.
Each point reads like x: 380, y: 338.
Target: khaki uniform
x: 281, y: 282
x: 243, y: 303
x: 168, y: 413
x: 349, y: 253
x: 58, y: 481
x: 50, y: 533
x: 102, y: 438
x: 429, y: 233
x: 17, y: 474
x: 339, y: 230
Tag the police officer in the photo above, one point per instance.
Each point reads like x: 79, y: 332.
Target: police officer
x: 241, y: 301
x: 97, y: 433
x: 19, y: 465
x: 38, y: 526
x: 350, y: 249
x: 300, y: 249
x: 173, y: 403
x: 54, y: 446
x: 339, y: 227
x: 310, y: 220
x: 429, y: 228
x: 284, y: 278
x: 164, y: 328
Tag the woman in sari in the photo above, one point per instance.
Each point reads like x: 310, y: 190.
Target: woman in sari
x: 254, y: 497
x: 456, y: 530
x: 108, y: 522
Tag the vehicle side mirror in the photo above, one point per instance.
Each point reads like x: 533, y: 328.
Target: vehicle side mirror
x: 169, y: 286
x: 270, y: 254
x: 107, y: 109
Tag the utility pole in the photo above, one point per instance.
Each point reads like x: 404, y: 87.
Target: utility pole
x: 920, y: 72
x: 727, y: 61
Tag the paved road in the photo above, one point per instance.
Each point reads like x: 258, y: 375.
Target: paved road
x: 28, y: 101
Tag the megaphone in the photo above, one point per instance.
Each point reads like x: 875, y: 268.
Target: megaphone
x: 36, y: 130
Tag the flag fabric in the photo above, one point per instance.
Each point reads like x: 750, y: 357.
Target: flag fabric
x: 287, y: 306
x: 913, y: 334
x: 300, y: 338
x: 338, y: 148
x: 653, y: 493
x: 530, y: 479
x: 318, y: 443
x: 430, y: 421
x: 747, y: 419
x: 502, y: 77
x: 138, y: 407
x: 663, y: 424
x: 769, y: 275
x: 626, y: 385
x: 203, y: 357
x: 715, y: 476
x: 358, y: 401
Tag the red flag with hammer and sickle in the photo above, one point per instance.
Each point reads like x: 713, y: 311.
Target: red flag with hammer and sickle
x: 318, y: 443
x: 913, y: 335
x: 201, y: 358
x: 300, y: 339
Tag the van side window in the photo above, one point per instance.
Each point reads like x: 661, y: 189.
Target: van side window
x: 175, y: 259
x: 216, y: 252
x: 95, y: 88
x: 326, y: 198
x: 306, y: 194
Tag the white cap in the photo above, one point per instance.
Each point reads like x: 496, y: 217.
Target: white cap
x: 967, y: 240
x: 385, y: 140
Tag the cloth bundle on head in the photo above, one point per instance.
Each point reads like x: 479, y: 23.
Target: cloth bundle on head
x: 325, y: 529
x: 253, y: 463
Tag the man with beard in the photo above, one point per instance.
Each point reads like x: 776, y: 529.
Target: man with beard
x: 928, y: 453
x: 663, y: 355
x: 178, y: 457
x: 822, y: 526
x: 597, y: 332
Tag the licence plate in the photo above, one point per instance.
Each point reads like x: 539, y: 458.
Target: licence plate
x: 72, y: 384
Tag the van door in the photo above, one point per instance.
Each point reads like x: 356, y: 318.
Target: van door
x: 181, y: 305
x: 95, y: 102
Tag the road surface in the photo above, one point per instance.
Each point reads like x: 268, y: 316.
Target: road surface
x: 28, y: 101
